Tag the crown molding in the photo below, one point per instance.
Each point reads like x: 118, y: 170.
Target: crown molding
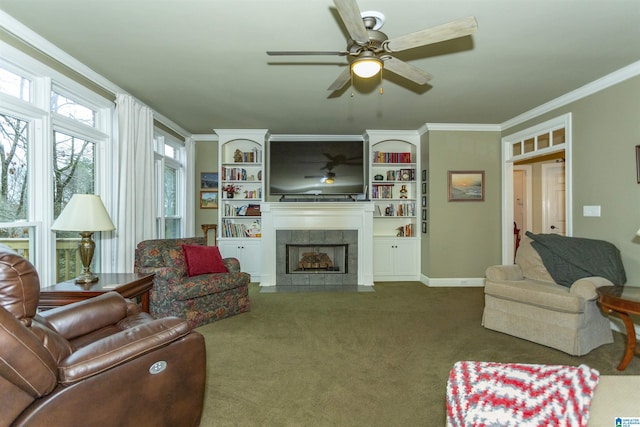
x: 595, y: 86
x: 464, y: 127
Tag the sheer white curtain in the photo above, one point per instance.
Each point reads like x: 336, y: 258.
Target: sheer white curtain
x: 134, y: 196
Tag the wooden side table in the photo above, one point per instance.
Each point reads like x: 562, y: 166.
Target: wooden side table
x: 623, y: 300
x: 129, y: 285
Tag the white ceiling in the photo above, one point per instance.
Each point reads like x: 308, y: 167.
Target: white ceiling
x: 202, y: 63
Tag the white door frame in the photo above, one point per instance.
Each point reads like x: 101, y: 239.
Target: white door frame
x: 508, y: 159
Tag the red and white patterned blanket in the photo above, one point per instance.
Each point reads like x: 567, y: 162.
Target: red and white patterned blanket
x: 509, y: 394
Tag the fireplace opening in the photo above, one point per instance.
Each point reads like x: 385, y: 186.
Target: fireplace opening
x: 317, y: 258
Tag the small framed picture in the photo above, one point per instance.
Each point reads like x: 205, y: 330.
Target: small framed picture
x: 424, y: 227
x: 466, y: 186
x: 424, y: 201
x: 638, y: 163
x: 209, y: 199
x: 424, y: 175
x: 424, y: 188
x: 424, y: 214
x: 209, y: 180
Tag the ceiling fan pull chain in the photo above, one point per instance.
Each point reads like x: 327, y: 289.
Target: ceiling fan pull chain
x: 381, y: 87
x: 351, y: 76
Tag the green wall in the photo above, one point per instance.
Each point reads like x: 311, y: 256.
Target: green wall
x: 206, y: 161
x: 463, y: 237
x: 606, y: 129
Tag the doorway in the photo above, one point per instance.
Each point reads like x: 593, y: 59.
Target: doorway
x: 544, y: 202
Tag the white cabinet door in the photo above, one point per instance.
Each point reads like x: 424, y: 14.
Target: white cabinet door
x: 395, y: 259
x: 406, y: 258
x: 382, y: 257
x: 247, y: 251
x: 251, y: 258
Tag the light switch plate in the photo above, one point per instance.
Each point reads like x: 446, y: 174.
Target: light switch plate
x: 591, y: 211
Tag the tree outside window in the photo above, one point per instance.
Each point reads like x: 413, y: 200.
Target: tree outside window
x: 14, y: 146
x: 73, y: 169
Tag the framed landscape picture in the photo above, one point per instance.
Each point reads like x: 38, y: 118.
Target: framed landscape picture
x: 466, y: 186
x: 209, y: 180
x: 209, y: 199
x: 638, y: 163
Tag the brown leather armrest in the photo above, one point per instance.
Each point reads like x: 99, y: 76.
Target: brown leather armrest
x: 120, y: 348
x: 81, y: 318
x: 23, y: 359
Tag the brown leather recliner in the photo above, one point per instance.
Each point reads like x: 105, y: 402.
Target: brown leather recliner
x: 99, y: 362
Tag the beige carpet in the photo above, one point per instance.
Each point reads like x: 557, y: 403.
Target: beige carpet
x: 358, y: 359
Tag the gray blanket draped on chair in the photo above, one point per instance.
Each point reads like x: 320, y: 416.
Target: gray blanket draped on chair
x: 571, y: 258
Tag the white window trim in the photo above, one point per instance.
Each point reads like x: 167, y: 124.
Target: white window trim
x: 43, y: 123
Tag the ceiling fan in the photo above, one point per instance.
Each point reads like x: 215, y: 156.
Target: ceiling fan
x: 369, y: 50
x: 332, y: 162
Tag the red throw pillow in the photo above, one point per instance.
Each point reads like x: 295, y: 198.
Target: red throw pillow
x: 203, y: 259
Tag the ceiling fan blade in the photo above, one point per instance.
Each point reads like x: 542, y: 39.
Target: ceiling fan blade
x: 303, y: 52
x: 406, y: 70
x: 342, y: 80
x: 350, y: 14
x: 458, y: 28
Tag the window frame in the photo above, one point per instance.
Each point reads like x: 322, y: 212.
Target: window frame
x: 178, y: 163
x: 42, y: 124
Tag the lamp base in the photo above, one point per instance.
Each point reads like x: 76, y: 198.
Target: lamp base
x: 86, y: 278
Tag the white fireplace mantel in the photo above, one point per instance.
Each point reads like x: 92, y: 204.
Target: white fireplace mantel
x: 317, y: 216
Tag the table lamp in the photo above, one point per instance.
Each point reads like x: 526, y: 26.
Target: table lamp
x: 84, y: 213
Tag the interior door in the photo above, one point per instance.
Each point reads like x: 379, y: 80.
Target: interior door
x: 553, y: 198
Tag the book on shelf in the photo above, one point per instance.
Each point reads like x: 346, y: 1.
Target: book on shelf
x: 408, y: 230
x: 392, y: 157
x: 248, y: 210
x: 231, y: 228
x: 400, y: 209
x: 382, y: 191
x: 401, y: 175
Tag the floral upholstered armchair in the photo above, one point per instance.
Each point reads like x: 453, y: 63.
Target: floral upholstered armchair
x: 188, y: 290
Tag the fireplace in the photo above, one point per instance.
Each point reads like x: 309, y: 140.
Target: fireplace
x: 316, y: 258
x: 320, y: 225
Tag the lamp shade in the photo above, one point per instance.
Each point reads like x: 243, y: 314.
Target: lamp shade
x: 367, y: 65
x: 84, y: 212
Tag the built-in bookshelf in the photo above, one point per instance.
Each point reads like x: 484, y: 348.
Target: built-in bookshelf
x: 394, y: 185
x: 394, y: 188
x: 241, y: 191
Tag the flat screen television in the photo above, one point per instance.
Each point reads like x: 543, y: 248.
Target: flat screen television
x: 316, y: 167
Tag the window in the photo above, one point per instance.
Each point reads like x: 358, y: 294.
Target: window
x: 169, y: 190
x: 15, y: 85
x: 14, y: 189
x: 15, y: 232
x: 73, y: 170
x: 69, y: 108
x: 54, y: 138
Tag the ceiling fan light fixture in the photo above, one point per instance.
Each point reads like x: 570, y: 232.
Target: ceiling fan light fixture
x: 368, y: 65
x: 329, y: 178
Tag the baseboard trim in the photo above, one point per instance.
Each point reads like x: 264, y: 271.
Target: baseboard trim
x: 464, y: 282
